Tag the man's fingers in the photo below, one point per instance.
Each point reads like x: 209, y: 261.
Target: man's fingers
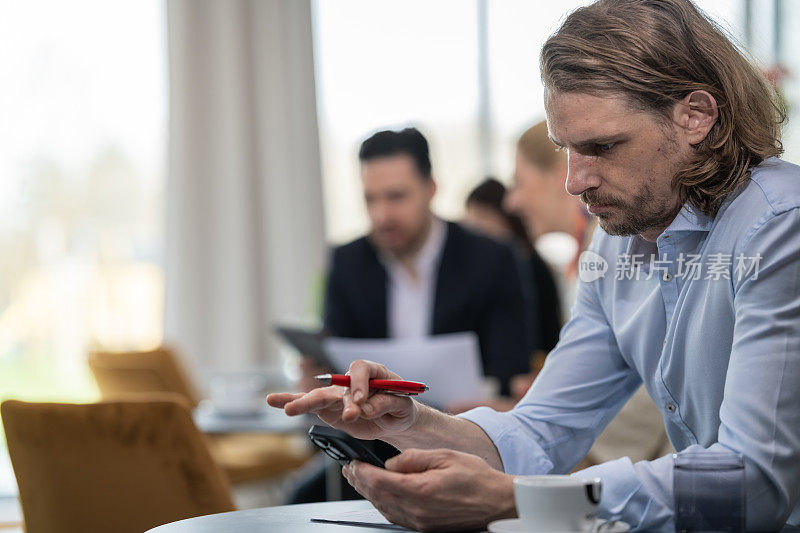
x: 314, y: 401
x: 414, y: 461
x: 360, y: 373
x: 351, y: 411
x: 280, y: 399
x: 380, y: 404
x: 399, y: 497
x: 373, y: 478
x: 364, y: 483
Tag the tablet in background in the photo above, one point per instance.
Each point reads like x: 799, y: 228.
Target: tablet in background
x: 306, y: 341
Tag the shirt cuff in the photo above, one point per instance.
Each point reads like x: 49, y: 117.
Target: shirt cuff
x: 629, y: 492
x: 520, y: 453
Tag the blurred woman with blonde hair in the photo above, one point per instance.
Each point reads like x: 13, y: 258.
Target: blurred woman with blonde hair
x: 557, y: 222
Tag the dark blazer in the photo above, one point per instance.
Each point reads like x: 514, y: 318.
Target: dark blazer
x: 478, y: 289
x: 541, y: 301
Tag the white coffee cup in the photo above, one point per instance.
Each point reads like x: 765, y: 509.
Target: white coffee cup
x: 556, y: 503
x: 237, y: 393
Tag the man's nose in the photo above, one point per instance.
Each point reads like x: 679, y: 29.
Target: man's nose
x: 581, y: 174
x: 379, y: 212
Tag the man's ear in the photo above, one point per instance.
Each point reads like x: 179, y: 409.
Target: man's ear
x: 696, y: 114
x: 431, y: 188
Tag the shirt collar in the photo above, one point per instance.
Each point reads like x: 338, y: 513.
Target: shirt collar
x: 688, y: 220
x: 428, y: 255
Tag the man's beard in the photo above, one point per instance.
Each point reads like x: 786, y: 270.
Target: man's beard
x: 413, y: 243
x: 632, y: 217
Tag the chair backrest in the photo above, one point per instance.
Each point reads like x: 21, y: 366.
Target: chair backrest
x: 124, y: 373
x: 122, y: 466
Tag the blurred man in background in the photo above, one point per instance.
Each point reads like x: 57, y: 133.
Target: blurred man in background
x: 416, y: 275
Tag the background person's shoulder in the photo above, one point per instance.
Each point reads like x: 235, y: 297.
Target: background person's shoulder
x: 354, y: 250
x: 475, y: 243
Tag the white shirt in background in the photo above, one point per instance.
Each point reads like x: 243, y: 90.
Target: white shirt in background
x: 410, y: 301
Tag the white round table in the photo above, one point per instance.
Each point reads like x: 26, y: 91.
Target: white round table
x: 289, y: 519
x: 282, y: 519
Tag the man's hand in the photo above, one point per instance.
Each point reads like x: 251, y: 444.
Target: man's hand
x: 360, y: 412
x: 398, y: 420
x: 435, y: 490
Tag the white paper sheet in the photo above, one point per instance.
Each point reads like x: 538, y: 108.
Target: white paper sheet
x: 449, y: 364
x: 369, y: 517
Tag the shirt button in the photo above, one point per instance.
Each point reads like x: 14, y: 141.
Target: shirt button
x: 670, y: 407
x: 667, y: 276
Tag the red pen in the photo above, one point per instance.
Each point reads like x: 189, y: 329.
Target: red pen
x: 410, y: 388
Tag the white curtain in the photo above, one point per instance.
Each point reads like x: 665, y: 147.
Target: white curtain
x: 244, y: 215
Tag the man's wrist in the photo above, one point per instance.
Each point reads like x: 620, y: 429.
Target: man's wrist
x: 503, y: 495
x: 415, y: 436
x: 500, y: 503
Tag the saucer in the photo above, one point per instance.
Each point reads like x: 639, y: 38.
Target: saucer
x: 515, y: 525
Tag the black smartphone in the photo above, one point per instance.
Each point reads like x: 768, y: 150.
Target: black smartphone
x: 342, y: 447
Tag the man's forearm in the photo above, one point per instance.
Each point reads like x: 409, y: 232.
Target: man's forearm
x: 434, y: 429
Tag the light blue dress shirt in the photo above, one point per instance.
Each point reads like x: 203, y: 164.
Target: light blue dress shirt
x: 716, y: 345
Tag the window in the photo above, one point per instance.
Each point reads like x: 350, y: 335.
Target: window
x: 82, y: 157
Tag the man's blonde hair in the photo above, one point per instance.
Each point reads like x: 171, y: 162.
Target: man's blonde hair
x: 656, y: 52
x: 535, y: 145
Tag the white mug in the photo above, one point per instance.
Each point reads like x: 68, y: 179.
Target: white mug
x: 557, y: 503
x: 237, y: 393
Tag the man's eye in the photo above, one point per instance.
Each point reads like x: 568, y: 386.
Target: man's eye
x: 604, y: 147
x: 396, y: 196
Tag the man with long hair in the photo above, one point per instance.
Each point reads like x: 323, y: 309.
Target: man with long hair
x: 691, y: 286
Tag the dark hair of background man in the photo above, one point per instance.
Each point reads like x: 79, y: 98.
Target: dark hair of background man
x: 408, y: 141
